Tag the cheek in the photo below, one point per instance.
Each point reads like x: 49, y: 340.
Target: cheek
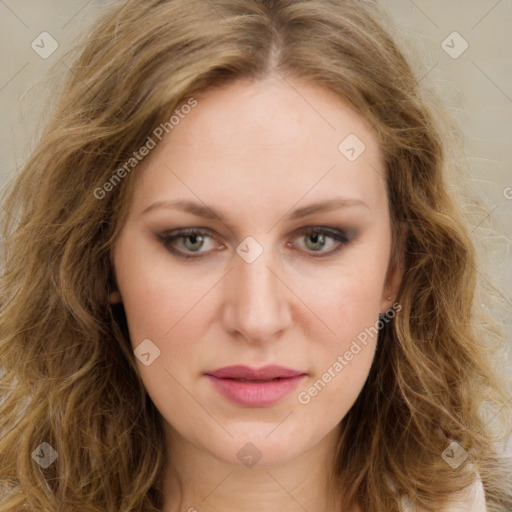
x: 347, y: 302
x: 343, y: 354
x: 155, y: 299
x: 173, y: 312
x: 343, y: 300
x: 166, y: 309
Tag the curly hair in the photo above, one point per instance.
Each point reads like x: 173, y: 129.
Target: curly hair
x: 68, y: 372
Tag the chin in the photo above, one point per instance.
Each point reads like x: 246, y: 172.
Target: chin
x: 261, y: 447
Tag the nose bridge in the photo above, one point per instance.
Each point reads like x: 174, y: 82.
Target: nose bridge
x: 256, y: 305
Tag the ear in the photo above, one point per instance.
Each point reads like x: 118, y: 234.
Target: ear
x: 114, y: 294
x: 115, y: 297
x: 395, y: 272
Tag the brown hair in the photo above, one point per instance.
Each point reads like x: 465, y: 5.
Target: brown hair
x: 69, y: 377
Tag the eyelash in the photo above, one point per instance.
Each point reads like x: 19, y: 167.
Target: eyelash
x: 337, y: 235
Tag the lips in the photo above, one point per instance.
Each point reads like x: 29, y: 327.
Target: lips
x: 265, y: 373
x: 253, y: 387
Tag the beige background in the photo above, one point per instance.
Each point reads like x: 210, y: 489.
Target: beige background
x: 477, y: 86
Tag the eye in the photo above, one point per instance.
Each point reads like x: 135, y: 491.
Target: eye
x: 192, y: 241
x: 316, y: 239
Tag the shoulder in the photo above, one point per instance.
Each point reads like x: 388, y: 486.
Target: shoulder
x: 471, y: 499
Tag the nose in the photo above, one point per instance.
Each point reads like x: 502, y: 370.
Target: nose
x: 257, y: 303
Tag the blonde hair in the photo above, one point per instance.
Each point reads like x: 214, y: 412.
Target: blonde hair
x: 69, y: 376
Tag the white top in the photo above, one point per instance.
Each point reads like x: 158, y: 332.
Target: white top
x: 471, y: 499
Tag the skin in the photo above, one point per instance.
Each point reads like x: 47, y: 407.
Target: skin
x: 256, y: 151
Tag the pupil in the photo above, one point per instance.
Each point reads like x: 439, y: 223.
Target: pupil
x: 316, y: 238
x: 194, y: 239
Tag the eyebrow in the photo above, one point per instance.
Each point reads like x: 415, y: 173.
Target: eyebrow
x: 202, y: 210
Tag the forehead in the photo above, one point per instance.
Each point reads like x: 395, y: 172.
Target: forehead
x: 274, y: 140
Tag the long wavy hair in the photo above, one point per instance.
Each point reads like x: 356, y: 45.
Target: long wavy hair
x: 68, y: 373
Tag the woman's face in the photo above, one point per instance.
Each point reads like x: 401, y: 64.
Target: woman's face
x: 289, y: 271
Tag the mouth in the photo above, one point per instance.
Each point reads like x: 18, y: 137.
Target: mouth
x: 266, y: 373
x: 252, y: 387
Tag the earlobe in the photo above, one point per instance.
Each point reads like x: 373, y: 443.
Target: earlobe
x: 388, y: 299
x: 115, y: 297
x: 395, y: 275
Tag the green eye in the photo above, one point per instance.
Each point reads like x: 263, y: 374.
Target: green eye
x: 192, y: 241
x: 317, y: 238
x: 317, y: 241
x: 196, y: 242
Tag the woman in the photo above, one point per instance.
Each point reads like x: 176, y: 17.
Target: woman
x: 237, y: 280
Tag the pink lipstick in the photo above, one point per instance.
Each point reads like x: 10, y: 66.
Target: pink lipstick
x: 255, y: 387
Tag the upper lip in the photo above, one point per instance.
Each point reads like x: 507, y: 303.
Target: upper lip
x: 246, y: 372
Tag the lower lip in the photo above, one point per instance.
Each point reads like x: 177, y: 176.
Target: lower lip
x: 255, y: 394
